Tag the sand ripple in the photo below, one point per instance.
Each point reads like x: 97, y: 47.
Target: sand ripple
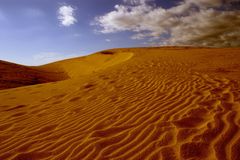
x: 163, y: 104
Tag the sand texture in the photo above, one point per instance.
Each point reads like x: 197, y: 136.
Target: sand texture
x: 139, y: 104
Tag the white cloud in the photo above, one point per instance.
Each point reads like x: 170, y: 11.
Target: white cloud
x: 123, y: 18
x: 191, y: 22
x: 204, y: 3
x: 66, y: 15
x: 108, y: 40
x: 48, y: 57
x: 136, y: 2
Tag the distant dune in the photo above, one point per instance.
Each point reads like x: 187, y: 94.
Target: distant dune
x: 173, y: 103
x: 14, y: 75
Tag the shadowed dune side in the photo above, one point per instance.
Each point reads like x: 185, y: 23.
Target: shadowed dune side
x: 14, y: 75
x: 138, y: 104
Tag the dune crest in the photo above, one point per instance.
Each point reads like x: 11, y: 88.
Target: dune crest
x: 86, y: 65
x: 139, y: 104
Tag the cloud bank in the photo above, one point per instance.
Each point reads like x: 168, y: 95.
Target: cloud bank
x: 136, y: 2
x: 200, y: 23
x: 66, y: 15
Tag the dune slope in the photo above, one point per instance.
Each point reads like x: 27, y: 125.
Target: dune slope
x: 141, y: 103
x: 14, y: 75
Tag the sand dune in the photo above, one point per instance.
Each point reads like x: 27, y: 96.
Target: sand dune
x: 138, y: 104
x: 14, y: 75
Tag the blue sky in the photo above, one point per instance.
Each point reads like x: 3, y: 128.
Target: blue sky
x: 30, y: 28
x: 34, y: 32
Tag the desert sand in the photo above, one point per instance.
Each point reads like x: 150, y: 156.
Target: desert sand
x: 173, y: 103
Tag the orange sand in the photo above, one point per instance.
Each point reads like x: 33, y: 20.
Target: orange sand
x: 138, y: 104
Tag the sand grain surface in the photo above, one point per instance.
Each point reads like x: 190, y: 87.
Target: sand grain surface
x: 138, y: 104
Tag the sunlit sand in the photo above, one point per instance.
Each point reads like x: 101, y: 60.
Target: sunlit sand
x: 139, y: 104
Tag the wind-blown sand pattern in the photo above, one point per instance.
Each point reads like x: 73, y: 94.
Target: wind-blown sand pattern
x: 138, y: 104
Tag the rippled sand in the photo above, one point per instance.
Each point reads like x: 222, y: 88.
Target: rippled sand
x: 138, y: 104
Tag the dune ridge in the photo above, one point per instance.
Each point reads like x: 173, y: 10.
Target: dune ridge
x: 140, y: 103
